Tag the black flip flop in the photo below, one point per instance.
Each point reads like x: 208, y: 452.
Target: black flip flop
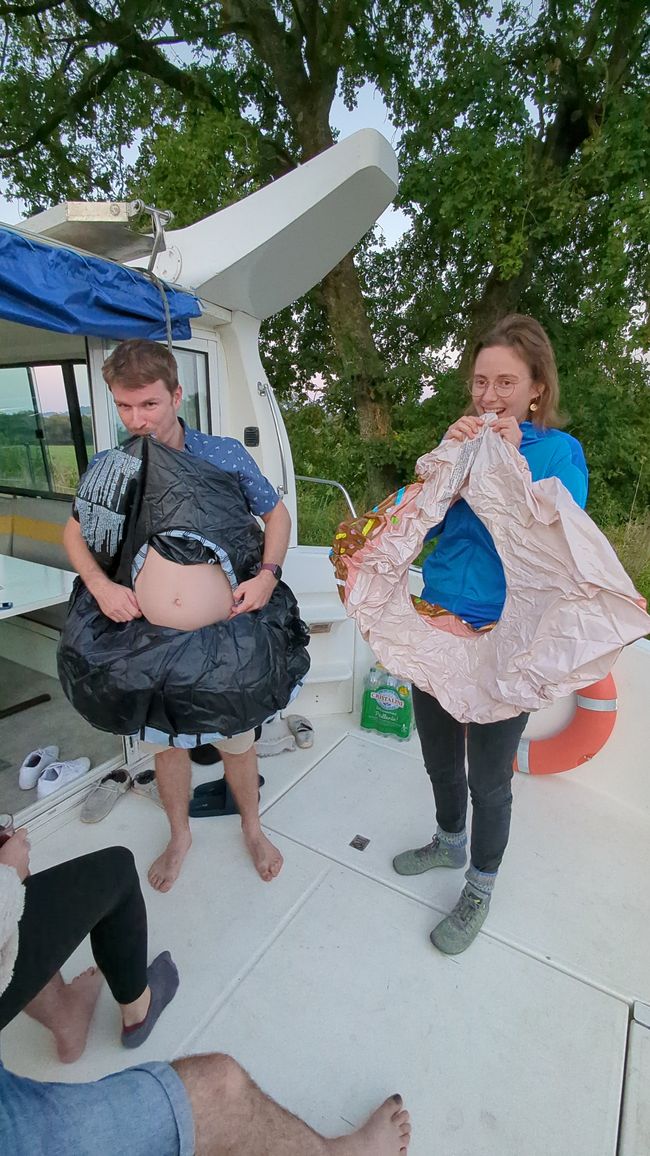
x: 215, y: 802
x: 217, y: 787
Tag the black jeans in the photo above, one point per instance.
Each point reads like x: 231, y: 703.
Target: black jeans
x: 97, y: 894
x: 491, y: 748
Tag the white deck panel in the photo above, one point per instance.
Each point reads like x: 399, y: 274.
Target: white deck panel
x: 324, y: 983
x: 216, y: 921
x: 567, y: 880
x: 495, y: 1054
x: 635, y: 1125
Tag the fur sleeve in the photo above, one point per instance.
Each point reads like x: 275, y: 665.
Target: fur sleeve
x: 12, y: 900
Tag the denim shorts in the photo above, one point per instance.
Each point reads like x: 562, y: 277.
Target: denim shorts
x: 142, y: 1111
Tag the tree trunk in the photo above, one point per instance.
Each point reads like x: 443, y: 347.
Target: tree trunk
x: 304, y: 58
x: 363, y: 371
x: 499, y: 297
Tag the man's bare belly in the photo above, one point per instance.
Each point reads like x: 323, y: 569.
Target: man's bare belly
x: 184, y: 597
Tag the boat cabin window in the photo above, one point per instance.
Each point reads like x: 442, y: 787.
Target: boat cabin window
x: 46, y: 435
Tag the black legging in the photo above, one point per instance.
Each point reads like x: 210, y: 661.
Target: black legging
x: 491, y: 748
x: 97, y: 894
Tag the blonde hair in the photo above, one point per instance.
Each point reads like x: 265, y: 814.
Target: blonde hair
x: 525, y: 335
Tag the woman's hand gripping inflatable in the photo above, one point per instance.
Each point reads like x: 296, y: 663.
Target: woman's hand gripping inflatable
x: 469, y: 426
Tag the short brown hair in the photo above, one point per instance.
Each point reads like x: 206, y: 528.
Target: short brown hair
x: 137, y: 362
x: 525, y: 335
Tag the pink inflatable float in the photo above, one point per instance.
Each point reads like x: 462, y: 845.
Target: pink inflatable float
x: 570, y: 607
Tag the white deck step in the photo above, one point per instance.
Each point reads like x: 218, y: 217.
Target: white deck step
x: 330, y: 672
x: 321, y: 608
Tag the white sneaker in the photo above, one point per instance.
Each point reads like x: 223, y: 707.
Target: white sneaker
x: 34, y: 765
x: 59, y: 775
x: 275, y: 737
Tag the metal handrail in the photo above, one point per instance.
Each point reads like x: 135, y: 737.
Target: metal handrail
x: 265, y: 390
x: 330, y: 482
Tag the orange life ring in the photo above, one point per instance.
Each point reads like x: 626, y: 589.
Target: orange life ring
x: 586, y: 734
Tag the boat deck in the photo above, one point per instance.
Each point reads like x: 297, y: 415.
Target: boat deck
x: 323, y: 984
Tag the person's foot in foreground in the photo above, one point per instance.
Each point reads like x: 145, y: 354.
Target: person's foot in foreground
x: 78, y: 1000
x: 232, y: 1114
x: 386, y: 1133
x: 140, y: 1018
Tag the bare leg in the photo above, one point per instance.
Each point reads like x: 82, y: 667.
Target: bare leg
x: 242, y: 775
x: 67, y: 1010
x: 232, y: 1117
x: 173, y: 776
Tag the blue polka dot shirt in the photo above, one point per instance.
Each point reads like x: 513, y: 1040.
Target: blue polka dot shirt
x: 229, y: 455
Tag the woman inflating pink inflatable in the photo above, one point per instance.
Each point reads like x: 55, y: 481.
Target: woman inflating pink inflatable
x: 524, y: 599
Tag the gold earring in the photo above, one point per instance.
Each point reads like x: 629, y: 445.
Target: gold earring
x: 533, y: 406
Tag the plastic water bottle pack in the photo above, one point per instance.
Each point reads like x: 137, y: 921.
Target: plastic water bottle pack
x: 387, y: 706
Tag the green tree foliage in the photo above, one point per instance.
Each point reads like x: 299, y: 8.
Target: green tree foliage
x: 82, y: 79
x: 526, y: 164
x: 525, y: 159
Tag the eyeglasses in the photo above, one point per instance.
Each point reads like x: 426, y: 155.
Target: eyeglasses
x: 503, y: 386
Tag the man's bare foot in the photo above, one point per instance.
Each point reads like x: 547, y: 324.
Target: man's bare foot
x: 80, y: 998
x: 267, y: 859
x: 386, y: 1133
x: 164, y: 871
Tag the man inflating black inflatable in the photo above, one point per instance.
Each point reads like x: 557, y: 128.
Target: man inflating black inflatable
x: 180, y: 630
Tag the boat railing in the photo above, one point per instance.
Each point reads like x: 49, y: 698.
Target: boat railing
x: 330, y: 482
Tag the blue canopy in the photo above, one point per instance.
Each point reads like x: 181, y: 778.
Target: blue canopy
x: 52, y: 287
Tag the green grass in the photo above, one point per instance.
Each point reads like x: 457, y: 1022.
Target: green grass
x: 320, y: 510
x: 65, y: 475
x: 22, y: 466
x: 632, y: 544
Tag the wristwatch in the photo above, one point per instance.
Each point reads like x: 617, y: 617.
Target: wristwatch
x: 276, y: 571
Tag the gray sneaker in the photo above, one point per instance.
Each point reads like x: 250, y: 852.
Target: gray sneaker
x: 460, y: 928
x: 103, y: 797
x: 435, y: 854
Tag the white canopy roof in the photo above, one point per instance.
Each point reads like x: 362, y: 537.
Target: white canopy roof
x: 267, y: 250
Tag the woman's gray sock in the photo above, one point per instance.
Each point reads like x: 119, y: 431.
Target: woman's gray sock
x: 480, y: 882
x: 162, y: 978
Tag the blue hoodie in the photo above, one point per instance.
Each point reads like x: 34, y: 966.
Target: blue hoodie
x: 464, y: 573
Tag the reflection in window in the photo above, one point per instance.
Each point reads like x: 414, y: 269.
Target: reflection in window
x: 45, y: 428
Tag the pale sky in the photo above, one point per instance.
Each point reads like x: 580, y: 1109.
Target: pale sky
x: 370, y: 112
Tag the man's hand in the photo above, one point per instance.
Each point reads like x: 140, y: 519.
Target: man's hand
x: 509, y: 430
x: 116, y: 602
x: 15, y: 853
x: 253, y: 594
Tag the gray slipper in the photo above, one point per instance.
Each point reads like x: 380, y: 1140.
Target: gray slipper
x: 301, y: 729
x: 162, y: 978
x: 144, y: 784
x: 103, y: 797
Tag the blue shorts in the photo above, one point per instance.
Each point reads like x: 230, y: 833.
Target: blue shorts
x: 142, y: 1111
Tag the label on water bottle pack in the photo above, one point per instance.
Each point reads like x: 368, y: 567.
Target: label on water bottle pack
x: 387, y: 698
